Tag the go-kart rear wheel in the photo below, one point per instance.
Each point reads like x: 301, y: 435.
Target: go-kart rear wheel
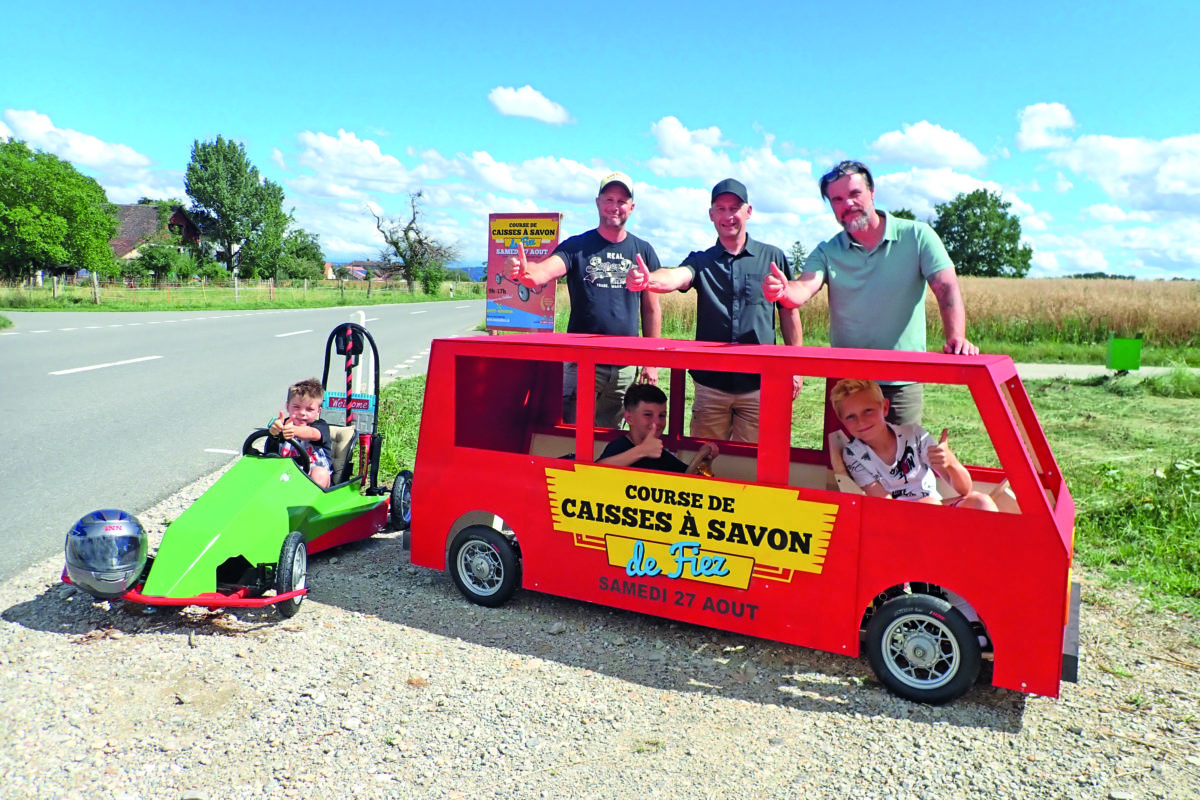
x: 523, y: 293
x: 292, y: 572
x: 484, y: 566
x: 401, y: 505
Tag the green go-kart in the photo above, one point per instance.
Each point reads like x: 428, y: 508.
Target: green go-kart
x: 245, y: 542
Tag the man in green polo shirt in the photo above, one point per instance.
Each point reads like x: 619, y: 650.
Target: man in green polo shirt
x: 876, y: 270
x: 730, y: 307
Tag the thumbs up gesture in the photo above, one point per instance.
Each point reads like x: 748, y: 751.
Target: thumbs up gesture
x: 637, y: 278
x: 775, y: 285
x: 518, y: 263
x: 651, y: 446
x: 277, y: 425
x: 940, y: 454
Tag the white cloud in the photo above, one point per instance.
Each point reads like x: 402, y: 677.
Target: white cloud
x: 1140, y: 173
x: 1105, y: 212
x: 278, y: 159
x: 81, y: 149
x: 1061, y: 184
x: 1042, y: 125
x: 5, y: 132
x: 921, y: 189
x: 527, y: 102
x: 927, y: 145
x: 688, y: 154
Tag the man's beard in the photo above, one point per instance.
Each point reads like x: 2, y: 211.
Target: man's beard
x: 857, y: 223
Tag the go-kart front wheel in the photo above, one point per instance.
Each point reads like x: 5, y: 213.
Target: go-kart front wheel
x: 401, y: 506
x: 292, y: 572
x: 923, y: 649
x: 484, y: 566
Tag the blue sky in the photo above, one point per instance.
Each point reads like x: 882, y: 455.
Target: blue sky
x: 1083, y: 116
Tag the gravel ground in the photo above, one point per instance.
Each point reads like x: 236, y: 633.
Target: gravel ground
x: 389, y: 684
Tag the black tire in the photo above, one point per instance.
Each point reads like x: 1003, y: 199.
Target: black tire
x: 292, y: 572
x: 484, y: 566
x: 923, y: 649
x: 523, y: 293
x: 400, y: 508
x: 499, y: 277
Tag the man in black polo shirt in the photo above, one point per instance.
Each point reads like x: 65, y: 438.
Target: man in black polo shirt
x: 730, y: 307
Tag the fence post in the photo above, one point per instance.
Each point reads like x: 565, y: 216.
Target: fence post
x: 235, y: 287
x: 95, y: 289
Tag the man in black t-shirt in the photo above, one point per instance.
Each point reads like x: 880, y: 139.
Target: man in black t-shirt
x: 595, y: 264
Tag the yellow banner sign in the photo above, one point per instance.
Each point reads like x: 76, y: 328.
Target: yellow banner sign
x: 690, y: 528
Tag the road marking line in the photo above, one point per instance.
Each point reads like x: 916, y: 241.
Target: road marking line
x: 462, y: 306
x: 102, y: 366
x: 67, y: 329
x: 46, y: 331
x: 416, y: 312
x: 293, y: 333
x: 11, y: 333
x: 220, y: 451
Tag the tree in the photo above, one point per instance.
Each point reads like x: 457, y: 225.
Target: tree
x: 411, y: 252
x: 233, y: 205
x: 797, y: 255
x: 262, y: 254
x: 981, y: 236
x: 903, y: 213
x: 51, y: 217
x: 302, y: 255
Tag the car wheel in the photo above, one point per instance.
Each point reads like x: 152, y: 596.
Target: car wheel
x: 484, y: 566
x: 401, y: 506
x: 292, y: 572
x: 499, y: 277
x: 523, y: 293
x: 922, y: 649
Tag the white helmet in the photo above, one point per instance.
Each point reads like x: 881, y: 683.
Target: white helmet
x: 106, y: 552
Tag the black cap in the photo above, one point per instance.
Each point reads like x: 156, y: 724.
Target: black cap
x: 730, y: 186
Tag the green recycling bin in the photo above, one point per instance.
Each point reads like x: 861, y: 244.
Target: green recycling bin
x: 1124, y: 352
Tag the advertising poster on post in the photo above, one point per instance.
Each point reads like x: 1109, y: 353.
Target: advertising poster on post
x: 512, y: 306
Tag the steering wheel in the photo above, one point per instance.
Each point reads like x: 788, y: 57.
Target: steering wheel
x: 299, y: 454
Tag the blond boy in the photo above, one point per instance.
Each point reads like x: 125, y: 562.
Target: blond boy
x: 298, y: 426
x: 898, y: 461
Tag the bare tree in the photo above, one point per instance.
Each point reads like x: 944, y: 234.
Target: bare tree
x: 411, y: 253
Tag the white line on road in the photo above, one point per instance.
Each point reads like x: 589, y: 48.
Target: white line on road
x: 102, y: 366
x: 416, y: 312
x: 45, y: 331
x: 462, y: 306
x: 293, y: 333
x: 11, y: 333
x: 221, y: 451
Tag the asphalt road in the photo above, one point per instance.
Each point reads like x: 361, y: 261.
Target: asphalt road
x: 119, y: 410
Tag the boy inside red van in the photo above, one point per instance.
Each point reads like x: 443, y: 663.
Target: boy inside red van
x: 645, y: 410
x: 898, y: 461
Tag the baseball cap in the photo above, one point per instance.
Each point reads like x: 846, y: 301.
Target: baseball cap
x: 730, y: 186
x: 617, y: 177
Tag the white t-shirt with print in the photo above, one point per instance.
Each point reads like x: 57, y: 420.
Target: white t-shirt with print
x: 908, y: 478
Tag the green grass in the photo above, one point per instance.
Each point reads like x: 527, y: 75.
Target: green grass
x: 5, y: 322
x: 1127, y: 447
x: 196, y: 297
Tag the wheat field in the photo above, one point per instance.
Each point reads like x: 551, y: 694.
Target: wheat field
x: 1062, y: 310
